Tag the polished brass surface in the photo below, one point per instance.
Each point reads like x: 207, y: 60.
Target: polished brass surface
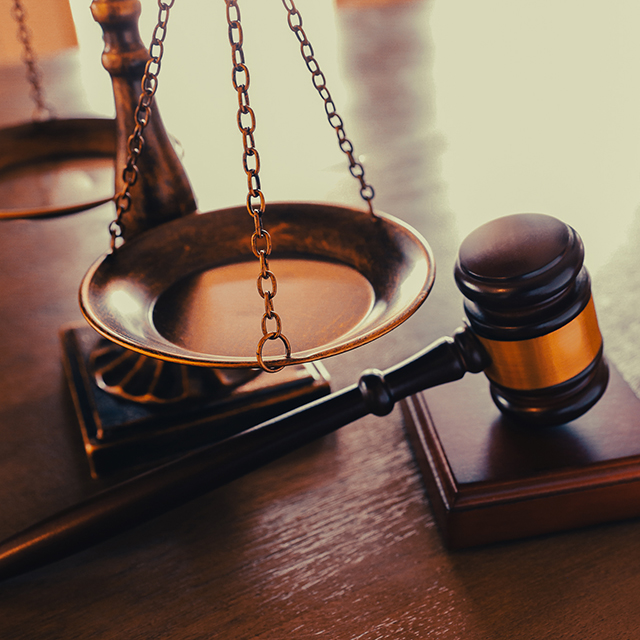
x: 56, y: 167
x: 549, y: 359
x: 182, y: 292
x: 141, y: 118
x: 162, y: 190
x: 151, y: 187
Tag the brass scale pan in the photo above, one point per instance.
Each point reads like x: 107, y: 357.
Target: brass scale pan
x: 186, y: 291
x: 56, y: 167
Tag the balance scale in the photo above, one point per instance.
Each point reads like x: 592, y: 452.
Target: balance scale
x: 202, y: 325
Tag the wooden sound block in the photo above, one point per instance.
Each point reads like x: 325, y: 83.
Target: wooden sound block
x: 490, y: 480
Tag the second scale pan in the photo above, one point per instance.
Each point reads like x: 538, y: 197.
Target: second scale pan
x: 186, y: 291
x: 56, y: 167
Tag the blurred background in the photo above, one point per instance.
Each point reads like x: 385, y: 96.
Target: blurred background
x: 536, y: 103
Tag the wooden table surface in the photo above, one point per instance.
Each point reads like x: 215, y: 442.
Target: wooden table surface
x: 338, y: 540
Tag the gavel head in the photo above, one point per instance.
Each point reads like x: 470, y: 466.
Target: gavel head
x: 528, y: 300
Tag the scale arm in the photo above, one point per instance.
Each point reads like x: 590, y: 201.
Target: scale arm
x: 128, y: 504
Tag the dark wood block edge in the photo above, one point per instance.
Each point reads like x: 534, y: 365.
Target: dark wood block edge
x: 496, y: 509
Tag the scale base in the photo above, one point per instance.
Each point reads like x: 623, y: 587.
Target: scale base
x: 121, y: 435
x: 490, y: 480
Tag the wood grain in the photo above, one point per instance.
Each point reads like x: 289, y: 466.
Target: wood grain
x: 338, y: 539
x: 490, y: 479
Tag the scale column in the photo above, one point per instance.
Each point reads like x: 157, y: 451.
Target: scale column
x: 162, y: 191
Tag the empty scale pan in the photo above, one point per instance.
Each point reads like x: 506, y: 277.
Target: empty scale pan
x: 185, y: 291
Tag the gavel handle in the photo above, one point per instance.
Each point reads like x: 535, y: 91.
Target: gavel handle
x: 150, y: 494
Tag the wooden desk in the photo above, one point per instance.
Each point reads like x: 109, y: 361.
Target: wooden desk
x: 336, y: 540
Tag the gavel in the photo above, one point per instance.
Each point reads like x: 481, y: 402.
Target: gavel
x: 528, y: 301
x: 531, y: 327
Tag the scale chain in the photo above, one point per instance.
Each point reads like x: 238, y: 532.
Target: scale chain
x: 42, y: 109
x: 294, y: 19
x: 142, y: 116
x: 260, y: 240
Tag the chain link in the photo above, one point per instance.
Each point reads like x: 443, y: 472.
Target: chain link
x: 319, y: 81
x: 42, y: 110
x: 260, y: 240
x: 141, y: 117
